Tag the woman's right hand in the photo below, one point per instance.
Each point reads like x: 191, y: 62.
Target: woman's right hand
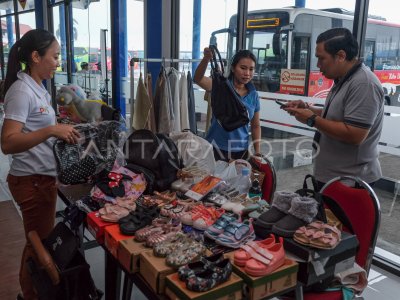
x: 66, y: 132
x: 208, y: 53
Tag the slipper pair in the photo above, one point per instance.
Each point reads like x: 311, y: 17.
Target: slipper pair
x: 318, y: 235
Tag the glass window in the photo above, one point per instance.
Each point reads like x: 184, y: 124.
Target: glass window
x: 8, y: 36
x: 60, y: 77
x: 215, y: 22
x: 85, y: 39
x: 135, y: 46
x: 382, y: 54
x: 27, y: 21
x: 25, y: 5
x: 216, y: 19
x: 6, y: 7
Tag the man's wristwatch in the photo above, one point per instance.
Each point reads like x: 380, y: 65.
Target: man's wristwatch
x: 311, y: 120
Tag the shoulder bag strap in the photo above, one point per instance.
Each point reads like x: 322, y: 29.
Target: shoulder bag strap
x: 216, y: 62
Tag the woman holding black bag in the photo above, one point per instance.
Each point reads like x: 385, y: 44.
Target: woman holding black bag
x: 234, y: 144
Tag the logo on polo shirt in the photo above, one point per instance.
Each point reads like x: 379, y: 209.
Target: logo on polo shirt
x: 44, y: 109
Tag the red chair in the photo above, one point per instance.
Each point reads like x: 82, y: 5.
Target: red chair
x: 361, y: 206
x: 269, y: 184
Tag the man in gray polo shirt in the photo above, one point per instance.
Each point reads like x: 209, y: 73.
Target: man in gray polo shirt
x: 350, y: 124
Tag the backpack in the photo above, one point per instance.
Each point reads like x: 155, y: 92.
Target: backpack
x: 155, y: 152
x: 76, y: 282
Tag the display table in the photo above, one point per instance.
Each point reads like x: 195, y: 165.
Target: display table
x: 113, y: 265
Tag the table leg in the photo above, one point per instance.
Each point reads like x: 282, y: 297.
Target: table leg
x: 127, y: 288
x: 112, y: 278
x: 299, y: 291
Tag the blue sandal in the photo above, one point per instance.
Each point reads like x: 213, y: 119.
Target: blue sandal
x: 236, y: 234
x: 219, y: 226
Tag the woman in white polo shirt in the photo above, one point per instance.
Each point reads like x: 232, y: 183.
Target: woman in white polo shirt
x: 28, y: 133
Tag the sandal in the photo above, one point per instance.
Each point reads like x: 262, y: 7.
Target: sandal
x: 236, y: 234
x: 219, y: 225
x: 156, y: 226
x: 326, y: 238
x: 189, y: 252
x: 138, y: 219
x: 112, y: 213
x: 126, y: 203
x: 318, y: 235
x: 166, y: 231
x: 260, y: 265
x: 175, y: 241
x: 205, y: 262
x: 210, y: 277
x: 304, y: 233
x: 243, y: 255
x: 205, y: 219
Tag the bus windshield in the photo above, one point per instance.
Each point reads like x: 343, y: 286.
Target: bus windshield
x: 267, y: 38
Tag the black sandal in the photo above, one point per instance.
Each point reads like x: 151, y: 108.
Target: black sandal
x: 139, y: 219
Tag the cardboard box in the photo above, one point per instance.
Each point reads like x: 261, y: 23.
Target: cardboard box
x: 112, y: 237
x: 229, y: 290
x: 128, y: 254
x: 96, y: 226
x: 278, y: 282
x: 154, y: 270
x: 316, y: 265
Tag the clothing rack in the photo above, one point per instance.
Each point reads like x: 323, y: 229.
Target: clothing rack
x: 162, y: 60
x: 189, y: 60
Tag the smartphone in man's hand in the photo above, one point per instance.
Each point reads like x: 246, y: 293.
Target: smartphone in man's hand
x: 282, y: 105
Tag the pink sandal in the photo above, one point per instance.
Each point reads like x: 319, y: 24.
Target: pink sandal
x: 260, y: 267
x: 242, y: 255
x: 156, y: 227
x: 112, y: 213
x: 167, y: 231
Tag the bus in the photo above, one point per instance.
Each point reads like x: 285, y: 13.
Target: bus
x: 283, y: 41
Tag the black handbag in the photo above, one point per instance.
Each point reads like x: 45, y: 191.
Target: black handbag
x: 97, y: 150
x: 72, y: 168
x: 226, y: 103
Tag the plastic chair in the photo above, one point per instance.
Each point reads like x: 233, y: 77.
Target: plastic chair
x: 269, y: 183
x: 361, y: 206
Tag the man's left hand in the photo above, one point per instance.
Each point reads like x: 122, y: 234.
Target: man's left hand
x: 300, y: 114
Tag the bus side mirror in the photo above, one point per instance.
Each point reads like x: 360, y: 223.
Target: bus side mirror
x: 276, y: 44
